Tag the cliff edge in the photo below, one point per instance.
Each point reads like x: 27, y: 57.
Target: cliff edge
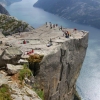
x: 61, y: 66
x: 64, y: 52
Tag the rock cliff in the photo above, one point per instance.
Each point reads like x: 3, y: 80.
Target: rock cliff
x: 79, y: 11
x: 3, y: 10
x: 63, y: 57
x: 9, y: 55
x: 60, y: 69
x: 63, y: 51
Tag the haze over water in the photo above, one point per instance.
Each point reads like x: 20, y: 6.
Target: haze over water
x: 88, y: 83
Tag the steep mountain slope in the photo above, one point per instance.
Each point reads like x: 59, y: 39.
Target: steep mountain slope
x: 10, y: 25
x: 3, y: 10
x: 80, y: 11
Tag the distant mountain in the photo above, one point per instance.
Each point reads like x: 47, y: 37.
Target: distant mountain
x: 8, y: 2
x: 3, y: 10
x: 80, y: 11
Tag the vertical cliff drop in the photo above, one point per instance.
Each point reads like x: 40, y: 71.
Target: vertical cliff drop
x: 61, y: 65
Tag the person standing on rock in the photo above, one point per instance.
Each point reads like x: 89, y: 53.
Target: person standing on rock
x: 67, y: 34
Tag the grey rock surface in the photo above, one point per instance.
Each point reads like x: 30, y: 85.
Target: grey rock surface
x: 24, y: 93
x: 18, y: 92
x: 59, y: 69
x: 13, y: 69
x: 9, y: 55
x: 3, y: 79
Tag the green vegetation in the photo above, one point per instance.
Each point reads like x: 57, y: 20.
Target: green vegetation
x: 40, y: 92
x: 25, y: 72
x: 10, y: 25
x: 5, y: 92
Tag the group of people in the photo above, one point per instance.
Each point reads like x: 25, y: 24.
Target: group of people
x: 66, y: 33
x: 29, y: 52
x: 51, y: 25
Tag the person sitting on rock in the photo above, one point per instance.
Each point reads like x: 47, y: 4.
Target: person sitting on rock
x: 49, y: 43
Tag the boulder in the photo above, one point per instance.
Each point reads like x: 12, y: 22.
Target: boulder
x: 13, y: 69
x: 11, y: 53
x: 3, y: 79
x: 22, y: 61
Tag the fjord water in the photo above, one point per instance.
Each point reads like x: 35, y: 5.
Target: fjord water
x: 88, y: 83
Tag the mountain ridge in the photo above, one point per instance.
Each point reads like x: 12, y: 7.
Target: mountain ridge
x: 79, y: 11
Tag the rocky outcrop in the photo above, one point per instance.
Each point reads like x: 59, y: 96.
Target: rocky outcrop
x: 60, y: 69
x: 24, y: 93
x: 17, y: 91
x: 3, y: 10
x: 79, y: 11
x: 10, y: 55
x: 10, y: 25
x: 13, y: 69
x: 56, y: 67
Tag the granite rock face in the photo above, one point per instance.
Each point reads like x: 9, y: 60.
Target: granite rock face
x: 10, y: 55
x: 59, y: 70
x: 12, y: 69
